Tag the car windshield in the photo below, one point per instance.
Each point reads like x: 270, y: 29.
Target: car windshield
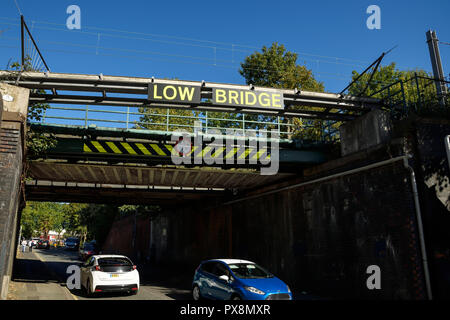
x: 103, y: 262
x: 249, y: 271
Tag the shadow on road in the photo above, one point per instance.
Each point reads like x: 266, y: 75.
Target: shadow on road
x: 31, y: 270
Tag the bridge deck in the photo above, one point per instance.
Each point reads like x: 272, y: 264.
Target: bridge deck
x: 132, y: 91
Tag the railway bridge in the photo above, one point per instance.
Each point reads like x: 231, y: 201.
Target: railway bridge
x: 234, y: 164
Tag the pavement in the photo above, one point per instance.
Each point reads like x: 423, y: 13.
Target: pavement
x: 33, y: 280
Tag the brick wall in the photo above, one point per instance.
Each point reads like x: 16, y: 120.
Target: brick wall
x: 10, y: 182
x: 129, y: 236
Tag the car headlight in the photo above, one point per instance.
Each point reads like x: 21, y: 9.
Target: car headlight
x: 288, y: 289
x: 254, y: 290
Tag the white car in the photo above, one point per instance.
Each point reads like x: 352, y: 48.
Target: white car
x: 109, y: 273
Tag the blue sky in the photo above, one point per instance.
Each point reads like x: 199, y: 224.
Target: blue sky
x: 206, y: 40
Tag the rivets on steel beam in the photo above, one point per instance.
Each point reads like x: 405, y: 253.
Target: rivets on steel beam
x: 153, y: 79
x: 252, y: 87
x: 203, y: 83
x: 100, y: 76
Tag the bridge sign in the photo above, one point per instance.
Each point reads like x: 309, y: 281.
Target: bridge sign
x: 248, y: 98
x: 229, y: 97
x: 174, y: 93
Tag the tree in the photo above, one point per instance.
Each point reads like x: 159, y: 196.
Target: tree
x: 156, y: 119
x: 96, y: 221
x: 41, y: 217
x: 276, y: 67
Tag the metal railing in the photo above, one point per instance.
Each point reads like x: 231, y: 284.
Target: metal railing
x: 168, y: 121
x: 416, y: 94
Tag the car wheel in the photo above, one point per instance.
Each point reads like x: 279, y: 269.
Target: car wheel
x: 196, y: 293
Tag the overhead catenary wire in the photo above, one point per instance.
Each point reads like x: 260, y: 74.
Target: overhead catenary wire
x: 230, y: 46
x: 329, y: 75
x: 18, y: 7
x: 227, y: 63
x: 318, y: 61
x: 339, y: 76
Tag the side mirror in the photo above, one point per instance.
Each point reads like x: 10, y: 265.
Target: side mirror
x: 224, y: 278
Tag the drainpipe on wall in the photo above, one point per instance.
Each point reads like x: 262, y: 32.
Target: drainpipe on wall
x: 447, y: 148
x: 419, y: 225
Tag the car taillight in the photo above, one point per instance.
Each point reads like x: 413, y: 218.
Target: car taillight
x: 134, y: 267
x: 97, y: 268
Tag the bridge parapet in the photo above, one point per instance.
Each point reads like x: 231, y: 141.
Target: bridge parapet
x: 13, y: 114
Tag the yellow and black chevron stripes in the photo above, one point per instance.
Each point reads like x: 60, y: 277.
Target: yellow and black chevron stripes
x: 165, y: 150
x: 128, y: 148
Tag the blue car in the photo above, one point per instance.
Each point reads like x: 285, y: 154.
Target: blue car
x: 233, y: 279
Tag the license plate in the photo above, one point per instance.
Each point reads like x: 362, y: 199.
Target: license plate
x: 114, y: 275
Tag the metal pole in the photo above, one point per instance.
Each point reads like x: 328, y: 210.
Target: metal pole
x: 128, y: 115
x: 34, y: 43
x: 419, y: 227
x: 419, y: 98
x: 436, y: 63
x: 167, y: 120
x: 405, y: 111
x: 447, y: 148
x: 22, y: 22
x: 86, y: 117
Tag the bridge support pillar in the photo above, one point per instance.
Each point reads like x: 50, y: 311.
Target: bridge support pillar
x: 13, y: 114
x: 372, y: 129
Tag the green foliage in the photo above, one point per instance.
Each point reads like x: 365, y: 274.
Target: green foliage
x: 412, y: 90
x: 74, y: 223
x: 41, y: 217
x: 156, y: 119
x: 139, y: 210
x: 386, y: 75
x: 96, y: 221
x: 38, y: 143
x: 276, y: 67
x: 89, y: 221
